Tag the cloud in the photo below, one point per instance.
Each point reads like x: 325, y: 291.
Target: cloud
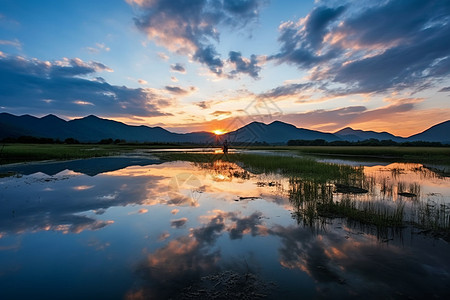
x: 244, y: 65
x: 341, y: 117
x: 163, y: 56
x: 178, y: 223
x: 301, y: 41
x: 348, y: 265
x: 182, y: 260
x: 69, y: 216
x: 243, y: 225
x: 203, y: 104
x: 353, y: 49
x: 26, y: 84
x: 98, y: 48
x: 190, y: 27
x: 166, y: 272
x: 142, y: 81
x: 79, y: 102
x: 445, y: 89
x: 385, y: 118
x: 163, y: 236
x: 178, y: 68
x: 288, y: 90
x: 218, y: 113
x: 209, y: 56
x: 143, y: 211
x: 180, y: 91
x: 14, y: 43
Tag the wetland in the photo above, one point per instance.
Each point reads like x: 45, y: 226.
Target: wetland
x: 154, y: 224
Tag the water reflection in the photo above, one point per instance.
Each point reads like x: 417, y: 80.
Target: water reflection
x: 358, y: 265
x: 90, y: 166
x: 184, y: 260
x: 158, y: 230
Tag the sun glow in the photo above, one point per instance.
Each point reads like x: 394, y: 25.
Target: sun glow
x: 219, y: 132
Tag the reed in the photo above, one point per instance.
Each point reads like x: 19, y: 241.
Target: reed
x: 314, y: 200
x: 432, y: 216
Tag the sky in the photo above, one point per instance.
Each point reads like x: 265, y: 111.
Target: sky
x: 205, y: 65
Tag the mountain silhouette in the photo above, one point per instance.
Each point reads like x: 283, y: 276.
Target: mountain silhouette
x: 276, y: 132
x: 94, y: 129
x: 437, y: 133
x: 353, y: 135
x: 91, y: 129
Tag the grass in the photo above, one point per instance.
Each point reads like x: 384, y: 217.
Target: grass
x: 432, y: 216
x: 11, y: 153
x: 294, y: 166
x: 313, y: 203
x: 314, y: 200
x: 438, y: 155
x: 373, y: 213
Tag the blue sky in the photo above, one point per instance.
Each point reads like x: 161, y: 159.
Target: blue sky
x: 190, y: 65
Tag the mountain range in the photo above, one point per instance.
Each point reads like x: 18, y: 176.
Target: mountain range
x: 94, y: 129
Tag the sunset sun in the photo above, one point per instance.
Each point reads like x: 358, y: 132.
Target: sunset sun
x: 219, y: 131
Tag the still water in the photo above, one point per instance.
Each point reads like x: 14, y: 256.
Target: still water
x: 137, y: 228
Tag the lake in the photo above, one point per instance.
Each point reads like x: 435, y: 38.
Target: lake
x: 135, y: 227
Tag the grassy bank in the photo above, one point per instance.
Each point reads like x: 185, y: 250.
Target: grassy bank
x: 438, y: 155
x: 11, y: 153
x: 16, y: 152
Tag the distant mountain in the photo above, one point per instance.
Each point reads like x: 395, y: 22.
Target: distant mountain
x: 275, y: 133
x: 94, y: 129
x: 91, y: 129
x: 48, y: 126
x: 353, y: 135
x: 437, y: 133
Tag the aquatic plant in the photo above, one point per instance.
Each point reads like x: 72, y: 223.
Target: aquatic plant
x: 296, y: 166
x: 313, y: 187
x: 431, y: 215
x: 315, y: 200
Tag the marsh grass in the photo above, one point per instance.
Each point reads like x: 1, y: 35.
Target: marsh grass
x: 431, y: 216
x: 374, y: 213
x: 313, y: 201
x: 296, y: 166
